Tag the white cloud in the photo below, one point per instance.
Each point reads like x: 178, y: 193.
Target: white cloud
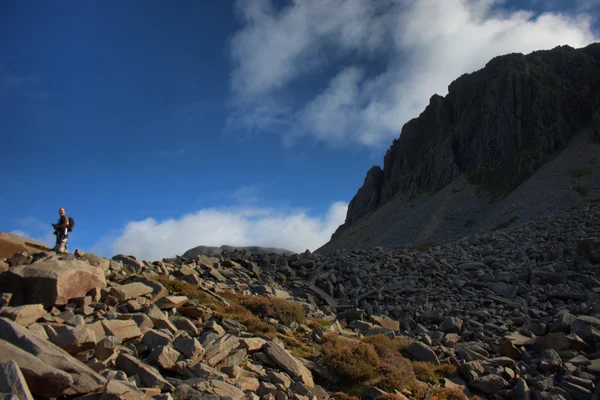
x: 36, y: 229
x: 417, y: 48
x: 297, y: 231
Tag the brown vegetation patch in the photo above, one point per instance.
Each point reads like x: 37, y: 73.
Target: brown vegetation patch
x: 423, y: 246
x: 284, y: 311
x: 177, y: 287
x: 579, y: 172
x: 506, y: 224
x: 352, y: 361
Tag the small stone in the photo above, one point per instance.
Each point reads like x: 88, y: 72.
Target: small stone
x: 169, y: 302
x: 188, y: 346
x: 164, y: 357
x: 551, y: 361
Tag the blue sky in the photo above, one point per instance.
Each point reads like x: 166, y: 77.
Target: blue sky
x: 161, y: 126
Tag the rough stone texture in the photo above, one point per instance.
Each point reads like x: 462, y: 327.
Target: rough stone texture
x: 125, y: 329
x: 164, y: 357
x: 149, y: 376
x: 83, y: 379
x: 289, y: 363
x: 169, y: 302
x: 490, y: 384
x: 51, y: 283
x: 12, y: 381
x: 42, y: 379
x: 11, y: 244
x: 421, y: 352
x: 220, y: 349
x: 589, y: 248
x: 188, y: 346
x: 23, y: 315
x: 121, y: 390
x: 218, y: 388
x: 75, y: 340
x: 130, y: 291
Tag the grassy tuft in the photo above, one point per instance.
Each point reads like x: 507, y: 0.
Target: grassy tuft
x: 441, y: 393
x: 506, y: 224
x: 182, y: 288
x: 265, y: 307
x: 579, y: 172
x: 423, y: 246
x: 319, y: 323
x: 393, y: 377
x: 497, y: 182
x: 582, y: 190
x: 381, y: 340
x: 511, y: 208
x: 298, y: 347
x: 352, y: 361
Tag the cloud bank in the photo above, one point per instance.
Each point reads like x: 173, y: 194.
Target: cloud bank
x: 371, y: 66
x: 242, y: 226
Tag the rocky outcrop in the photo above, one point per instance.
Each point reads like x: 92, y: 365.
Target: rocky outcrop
x: 513, y: 115
x: 51, y: 282
x: 11, y: 244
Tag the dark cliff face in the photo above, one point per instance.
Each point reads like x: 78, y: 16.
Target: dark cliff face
x: 512, y: 115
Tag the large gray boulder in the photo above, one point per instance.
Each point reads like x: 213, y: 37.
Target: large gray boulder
x: 12, y: 381
x: 36, y: 352
x: 42, y: 379
x: 51, y: 282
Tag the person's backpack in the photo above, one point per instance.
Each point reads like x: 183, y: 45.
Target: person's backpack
x: 71, y: 224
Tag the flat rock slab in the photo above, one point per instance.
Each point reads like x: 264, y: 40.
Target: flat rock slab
x: 169, y: 302
x: 83, y: 379
x: 42, y: 379
x: 126, y: 329
x: 289, y: 363
x: 130, y: 291
x: 11, y: 244
x: 23, y: 315
x: 218, y: 388
x: 51, y: 282
x: 12, y: 381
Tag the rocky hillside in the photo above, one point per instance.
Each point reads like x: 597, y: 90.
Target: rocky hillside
x: 513, y: 314
x: 249, y: 250
x: 494, y: 129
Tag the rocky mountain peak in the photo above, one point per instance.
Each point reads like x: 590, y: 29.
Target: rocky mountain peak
x: 511, y: 117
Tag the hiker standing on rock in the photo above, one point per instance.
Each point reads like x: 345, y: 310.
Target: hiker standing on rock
x: 61, y: 230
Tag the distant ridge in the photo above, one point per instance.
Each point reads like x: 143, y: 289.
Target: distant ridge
x: 215, y: 251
